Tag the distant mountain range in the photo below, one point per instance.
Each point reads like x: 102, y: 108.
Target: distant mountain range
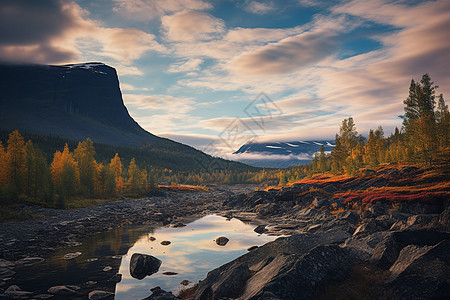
x: 280, y: 154
x: 82, y: 101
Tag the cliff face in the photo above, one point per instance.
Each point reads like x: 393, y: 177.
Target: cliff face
x: 73, y: 101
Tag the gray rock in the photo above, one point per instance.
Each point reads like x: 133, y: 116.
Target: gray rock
x: 72, y: 255
x: 97, y: 295
x: 16, y: 292
x: 6, y: 264
x: 6, y: 272
x: 142, y: 265
x: 159, y: 294
x: 28, y: 261
x: 318, y: 203
x: 258, y: 259
x: 421, y: 272
x: 63, y: 290
x: 350, y: 216
x: 368, y: 227
x: 444, y: 218
x: 260, y: 229
x: 398, y: 215
x: 222, y: 241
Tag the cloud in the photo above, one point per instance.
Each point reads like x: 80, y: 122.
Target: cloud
x: 130, y: 87
x: 194, y: 140
x: 150, y: 9
x: 186, y: 66
x: 57, y: 31
x: 259, y: 8
x: 166, y: 103
x: 192, y: 26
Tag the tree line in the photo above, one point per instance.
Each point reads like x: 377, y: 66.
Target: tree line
x: 423, y: 138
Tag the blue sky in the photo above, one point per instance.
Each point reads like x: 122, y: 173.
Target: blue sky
x: 189, y: 68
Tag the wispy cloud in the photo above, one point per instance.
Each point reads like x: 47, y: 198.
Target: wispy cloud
x: 150, y: 9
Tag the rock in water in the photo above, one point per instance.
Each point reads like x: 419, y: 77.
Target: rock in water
x: 142, y: 265
x: 97, y: 295
x: 260, y: 229
x: 63, y: 290
x: 159, y: 294
x: 69, y: 256
x: 165, y: 243
x: 222, y: 241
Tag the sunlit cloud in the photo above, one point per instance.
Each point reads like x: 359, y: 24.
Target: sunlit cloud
x: 192, y: 26
x: 149, y: 9
x: 258, y: 7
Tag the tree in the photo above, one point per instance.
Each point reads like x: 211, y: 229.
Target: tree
x: 85, y: 157
x: 419, y: 120
x: 37, y: 183
x: 322, y: 162
x: 115, y: 168
x: 65, y: 175
x: 134, y: 177
x: 15, y: 163
x: 443, y: 124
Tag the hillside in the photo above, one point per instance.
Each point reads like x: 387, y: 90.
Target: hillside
x: 58, y: 104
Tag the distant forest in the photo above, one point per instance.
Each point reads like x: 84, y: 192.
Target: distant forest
x: 52, y: 176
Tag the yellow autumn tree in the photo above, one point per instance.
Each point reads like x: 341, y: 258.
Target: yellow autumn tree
x: 65, y: 175
x: 85, y: 156
x: 115, y: 167
x: 134, y: 178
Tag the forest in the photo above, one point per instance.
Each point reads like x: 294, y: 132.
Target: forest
x: 28, y: 175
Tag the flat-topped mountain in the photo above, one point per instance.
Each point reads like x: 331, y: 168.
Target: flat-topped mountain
x: 73, y: 101
x: 80, y: 101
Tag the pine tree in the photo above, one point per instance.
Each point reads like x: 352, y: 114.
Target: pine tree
x: 443, y: 125
x: 419, y: 120
x: 322, y: 161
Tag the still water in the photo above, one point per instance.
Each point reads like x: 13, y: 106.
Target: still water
x: 191, y: 254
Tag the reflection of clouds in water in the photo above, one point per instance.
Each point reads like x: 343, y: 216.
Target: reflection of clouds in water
x: 192, y: 253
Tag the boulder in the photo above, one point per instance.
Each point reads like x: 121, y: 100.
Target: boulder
x: 237, y: 272
x: 286, y: 276
x: 421, y: 272
x: 444, y: 218
x: 63, y: 290
x: 165, y: 243
x: 159, y: 294
x: 98, y: 294
x: 350, y: 216
x: 142, y: 265
x: 222, y: 241
x: 368, y: 227
x: 260, y: 229
x: 73, y: 255
x: 15, y: 292
x: 28, y: 261
x: 318, y: 203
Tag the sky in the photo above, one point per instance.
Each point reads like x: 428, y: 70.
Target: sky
x: 217, y: 74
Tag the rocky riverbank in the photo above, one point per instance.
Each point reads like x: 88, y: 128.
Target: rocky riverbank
x: 26, y: 243
x: 378, y: 250
x: 378, y: 245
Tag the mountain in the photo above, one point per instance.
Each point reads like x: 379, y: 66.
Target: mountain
x: 79, y: 101
x: 280, y: 154
x: 73, y: 101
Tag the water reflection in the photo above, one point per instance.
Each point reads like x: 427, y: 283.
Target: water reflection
x: 191, y: 254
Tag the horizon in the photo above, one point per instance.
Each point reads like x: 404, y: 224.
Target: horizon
x: 197, y: 71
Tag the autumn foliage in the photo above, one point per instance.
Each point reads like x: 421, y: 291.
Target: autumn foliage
x: 25, y: 175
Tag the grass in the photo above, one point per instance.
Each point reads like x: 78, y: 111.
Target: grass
x: 185, y: 188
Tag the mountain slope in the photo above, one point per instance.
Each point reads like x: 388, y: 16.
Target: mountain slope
x: 75, y: 102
